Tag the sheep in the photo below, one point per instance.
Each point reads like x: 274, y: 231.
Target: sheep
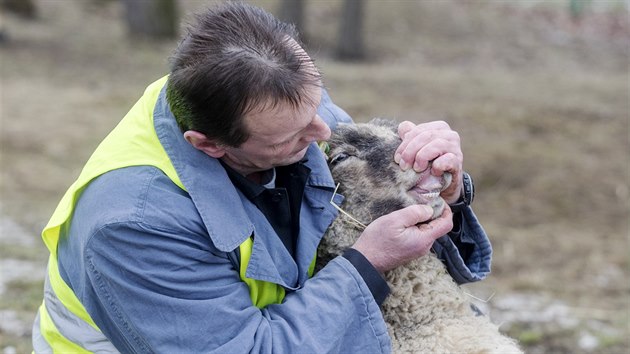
x: 426, y: 311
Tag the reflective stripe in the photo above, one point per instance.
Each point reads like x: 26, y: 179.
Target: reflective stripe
x: 55, y: 339
x: 39, y: 342
x: 74, y: 328
x: 65, y: 294
x: 311, y: 268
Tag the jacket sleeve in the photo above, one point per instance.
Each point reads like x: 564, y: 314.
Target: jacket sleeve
x: 467, y: 251
x: 153, y: 290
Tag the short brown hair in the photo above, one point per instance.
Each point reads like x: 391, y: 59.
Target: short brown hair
x: 235, y: 59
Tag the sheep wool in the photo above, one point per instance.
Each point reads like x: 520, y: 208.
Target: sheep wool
x: 426, y: 312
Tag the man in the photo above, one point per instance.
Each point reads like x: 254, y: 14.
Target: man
x: 194, y: 225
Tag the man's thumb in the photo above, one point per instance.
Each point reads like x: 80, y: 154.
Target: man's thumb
x: 413, y: 215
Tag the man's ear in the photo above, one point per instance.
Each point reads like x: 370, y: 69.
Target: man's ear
x: 200, y: 142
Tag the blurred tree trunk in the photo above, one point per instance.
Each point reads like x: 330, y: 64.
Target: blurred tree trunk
x: 4, y: 37
x: 350, y: 43
x: 292, y: 11
x: 24, y: 8
x: 155, y: 19
x: 3, y: 32
x: 577, y: 9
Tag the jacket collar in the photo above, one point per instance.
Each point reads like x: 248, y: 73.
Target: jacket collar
x: 203, y: 175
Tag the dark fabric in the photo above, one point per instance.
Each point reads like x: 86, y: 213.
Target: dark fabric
x: 280, y: 205
x: 466, y: 248
x: 293, y: 178
x: 375, y: 282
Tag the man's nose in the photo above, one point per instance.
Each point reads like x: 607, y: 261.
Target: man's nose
x: 319, y: 129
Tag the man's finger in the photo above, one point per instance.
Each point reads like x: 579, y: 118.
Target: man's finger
x: 440, y: 226
x: 416, y: 140
x: 404, y: 128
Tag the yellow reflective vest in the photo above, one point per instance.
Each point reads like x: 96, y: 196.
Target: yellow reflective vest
x: 63, y: 324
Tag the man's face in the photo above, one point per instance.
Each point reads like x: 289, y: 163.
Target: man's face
x: 279, y: 136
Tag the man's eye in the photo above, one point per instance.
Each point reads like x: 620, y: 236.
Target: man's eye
x: 338, y: 158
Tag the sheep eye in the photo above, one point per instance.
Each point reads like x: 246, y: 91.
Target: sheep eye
x: 338, y: 158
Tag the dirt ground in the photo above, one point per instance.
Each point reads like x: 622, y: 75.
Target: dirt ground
x: 541, y: 101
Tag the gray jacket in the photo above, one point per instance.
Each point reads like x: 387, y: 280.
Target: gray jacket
x: 155, y: 265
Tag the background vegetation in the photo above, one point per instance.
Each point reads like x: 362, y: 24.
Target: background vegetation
x: 539, y: 97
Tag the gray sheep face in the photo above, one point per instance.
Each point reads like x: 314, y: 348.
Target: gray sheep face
x: 361, y: 160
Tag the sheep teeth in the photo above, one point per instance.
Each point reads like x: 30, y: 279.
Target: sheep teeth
x: 431, y: 195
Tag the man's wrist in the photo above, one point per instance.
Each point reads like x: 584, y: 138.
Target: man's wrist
x: 373, y: 279
x: 467, y: 195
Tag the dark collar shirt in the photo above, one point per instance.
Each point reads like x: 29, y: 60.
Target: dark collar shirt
x: 278, y: 197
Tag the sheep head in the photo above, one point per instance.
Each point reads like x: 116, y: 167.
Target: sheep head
x: 361, y: 160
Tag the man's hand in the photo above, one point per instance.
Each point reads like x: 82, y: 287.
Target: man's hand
x: 432, y: 141
x: 397, y: 238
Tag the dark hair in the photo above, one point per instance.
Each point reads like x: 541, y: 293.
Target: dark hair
x: 235, y: 59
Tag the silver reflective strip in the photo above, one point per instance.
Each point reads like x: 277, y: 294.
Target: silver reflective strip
x: 74, y: 328
x: 39, y: 343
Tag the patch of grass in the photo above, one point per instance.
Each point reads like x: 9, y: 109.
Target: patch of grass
x: 607, y: 341
x: 22, y: 295
x: 30, y: 253
x: 530, y: 337
x: 14, y: 344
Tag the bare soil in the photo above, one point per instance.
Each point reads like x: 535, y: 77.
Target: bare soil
x: 539, y: 99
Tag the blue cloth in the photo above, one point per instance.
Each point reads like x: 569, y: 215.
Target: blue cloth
x: 154, y: 265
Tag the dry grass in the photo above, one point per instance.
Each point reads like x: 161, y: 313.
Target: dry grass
x: 541, y: 103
